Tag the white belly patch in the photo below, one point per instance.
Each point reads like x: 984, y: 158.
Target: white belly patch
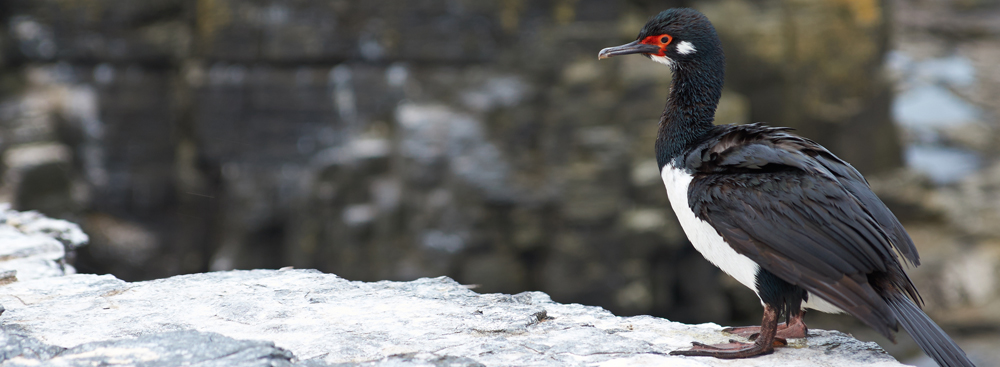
x: 820, y: 304
x: 711, y: 245
x: 701, y: 234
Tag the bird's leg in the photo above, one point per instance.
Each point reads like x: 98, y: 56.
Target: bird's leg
x: 734, y: 349
x: 794, y: 328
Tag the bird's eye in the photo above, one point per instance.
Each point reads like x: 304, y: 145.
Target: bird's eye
x: 659, y: 40
x: 663, y: 39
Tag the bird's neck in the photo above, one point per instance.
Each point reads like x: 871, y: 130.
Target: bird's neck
x: 694, y: 93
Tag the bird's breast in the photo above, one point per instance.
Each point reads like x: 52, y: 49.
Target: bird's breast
x: 701, y: 234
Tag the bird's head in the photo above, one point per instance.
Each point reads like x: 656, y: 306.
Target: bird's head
x: 673, y: 37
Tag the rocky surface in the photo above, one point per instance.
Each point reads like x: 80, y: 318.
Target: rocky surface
x: 307, y: 318
x: 34, y: 246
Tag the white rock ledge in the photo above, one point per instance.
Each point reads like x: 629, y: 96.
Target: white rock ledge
x: 33, y: 246
x: 307, y: 318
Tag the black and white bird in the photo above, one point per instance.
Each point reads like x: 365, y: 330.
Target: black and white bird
x: 776, y: 211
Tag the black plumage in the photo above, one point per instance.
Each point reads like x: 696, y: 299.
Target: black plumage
x: 760, y: 200
x: 775, y: 199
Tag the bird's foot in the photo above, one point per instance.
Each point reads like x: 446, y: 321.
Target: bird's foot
x: 732, y: 350
x: 746, y: 331
x: 796, y: 330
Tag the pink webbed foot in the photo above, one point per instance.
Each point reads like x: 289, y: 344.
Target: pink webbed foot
x: 731, y: 350
x: 764, y: 343
x: 794, y: 328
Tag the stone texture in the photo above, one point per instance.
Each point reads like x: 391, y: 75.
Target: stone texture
x: 33, y: 246
x: 177, y: 348
x: 264, y: 317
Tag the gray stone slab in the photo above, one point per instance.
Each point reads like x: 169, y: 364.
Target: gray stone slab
x: 179, y: 348
x: 327, y: 320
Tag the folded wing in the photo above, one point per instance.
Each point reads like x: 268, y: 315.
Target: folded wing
x: 804, y: 215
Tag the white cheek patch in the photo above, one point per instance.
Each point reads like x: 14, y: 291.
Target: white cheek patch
x: 663, y: 60
x: 685, y: 48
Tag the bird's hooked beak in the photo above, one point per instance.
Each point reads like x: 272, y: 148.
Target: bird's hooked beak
x: 633, y: 47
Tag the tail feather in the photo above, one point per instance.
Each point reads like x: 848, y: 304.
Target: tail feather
x: 928, y: 335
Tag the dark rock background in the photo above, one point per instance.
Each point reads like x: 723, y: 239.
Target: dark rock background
x: 383, y: 139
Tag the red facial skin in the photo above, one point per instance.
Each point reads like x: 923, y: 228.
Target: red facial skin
x: 658, y: 41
